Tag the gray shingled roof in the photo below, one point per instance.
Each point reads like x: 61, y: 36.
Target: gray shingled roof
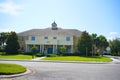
x: 49, y: 31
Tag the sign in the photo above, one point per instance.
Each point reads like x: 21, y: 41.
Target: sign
x: 108, y: 48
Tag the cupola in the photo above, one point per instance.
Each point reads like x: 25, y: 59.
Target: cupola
x: 54, y: 26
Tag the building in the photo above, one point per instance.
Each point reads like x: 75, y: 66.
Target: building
x: 49, y: 39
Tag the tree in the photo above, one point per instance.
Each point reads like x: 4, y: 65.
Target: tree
x: 33, y: 50
x: 94, y: 36
x: 85, y: 44
x: 61, y: 50
x: 12, y: 44
x: 99, y: 43
x: 94, y: 46
x: 115, y: 47
x: 3, y: 37
x: 102, y: 43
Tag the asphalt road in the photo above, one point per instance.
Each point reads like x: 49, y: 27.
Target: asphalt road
x: 68, y: 71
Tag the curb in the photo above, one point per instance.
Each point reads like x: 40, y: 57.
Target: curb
x: 15, y: 75
x: 83, y: 62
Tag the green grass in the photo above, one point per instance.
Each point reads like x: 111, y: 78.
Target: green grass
x: 8, y: 69
x: 79, y: 58
x: 17, y: 56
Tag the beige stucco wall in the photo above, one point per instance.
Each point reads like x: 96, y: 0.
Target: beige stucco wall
x: 22, y: 43
x: 61, y: 40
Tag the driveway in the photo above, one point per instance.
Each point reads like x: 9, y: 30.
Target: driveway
x: 68, y: 71
x: 116, y: 59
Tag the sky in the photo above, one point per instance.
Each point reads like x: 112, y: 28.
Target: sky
x: 95, y: 16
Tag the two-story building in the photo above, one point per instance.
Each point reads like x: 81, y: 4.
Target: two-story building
x: 49, y: 39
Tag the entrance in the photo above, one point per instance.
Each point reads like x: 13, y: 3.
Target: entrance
x: 50, y: 50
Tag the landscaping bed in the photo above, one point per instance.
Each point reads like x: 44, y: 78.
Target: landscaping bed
x: 9, y: 69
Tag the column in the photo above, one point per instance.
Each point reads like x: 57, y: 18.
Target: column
x: 53, y: 48
x: 56, y: 48
x: 72, y: 49
x: 40, y: 48
x: 26, y: 48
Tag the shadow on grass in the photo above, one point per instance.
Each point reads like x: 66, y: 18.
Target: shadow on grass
x: 5, y: 54
x: 99, y: 57
x: 15, y: 54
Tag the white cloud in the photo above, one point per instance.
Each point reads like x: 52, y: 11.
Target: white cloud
x: 6, y: 30
x: 10, y: 8
x: 111, y: 38
x: 113, y: 33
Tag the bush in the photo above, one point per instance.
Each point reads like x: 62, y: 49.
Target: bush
x: 51, y: 55
x: 39, y: 54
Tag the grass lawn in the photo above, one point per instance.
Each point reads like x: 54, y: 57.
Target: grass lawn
x: 79, y: 58
x: 17, y: 56
x: 7, y: 69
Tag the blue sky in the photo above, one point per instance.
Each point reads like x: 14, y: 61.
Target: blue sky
x: 95, y: 16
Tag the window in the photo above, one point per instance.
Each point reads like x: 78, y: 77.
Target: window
x: 54, y: 37
x: 33, y: 38
x: 67, y: 38
x: 46, y: 37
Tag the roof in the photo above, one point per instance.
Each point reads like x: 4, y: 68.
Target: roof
x: 49, y: 31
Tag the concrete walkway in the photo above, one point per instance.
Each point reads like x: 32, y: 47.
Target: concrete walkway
x: 116, y: 59
x: 39, y: 58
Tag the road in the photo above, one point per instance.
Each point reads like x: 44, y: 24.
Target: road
x: 68, y: 71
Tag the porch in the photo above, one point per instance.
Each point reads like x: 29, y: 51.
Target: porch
x: 48, y: 49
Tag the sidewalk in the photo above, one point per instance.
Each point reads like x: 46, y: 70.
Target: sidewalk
x: 116, y: 59
x: 39, y: 58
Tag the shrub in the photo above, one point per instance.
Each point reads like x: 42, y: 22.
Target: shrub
x: 51, y: 55
x: 39, y: 54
